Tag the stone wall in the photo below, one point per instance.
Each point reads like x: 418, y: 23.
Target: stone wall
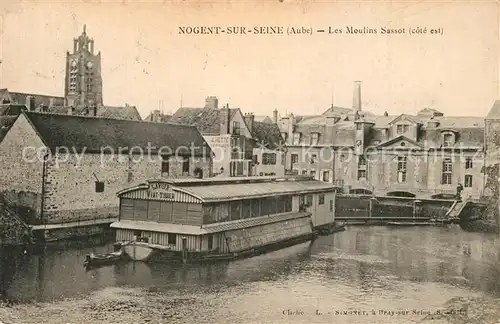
x: 492, y: 183
x: 70, y: 192
x: 13, y: 231
x: 21, y: 165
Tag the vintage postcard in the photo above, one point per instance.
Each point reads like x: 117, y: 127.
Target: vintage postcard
x: 272, y: 161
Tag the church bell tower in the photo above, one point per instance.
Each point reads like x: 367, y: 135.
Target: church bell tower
x: 83, y: 87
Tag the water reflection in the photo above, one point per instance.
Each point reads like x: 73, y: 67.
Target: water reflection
x: 370, y: 261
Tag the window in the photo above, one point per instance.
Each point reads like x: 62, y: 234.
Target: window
x: 313, y: 158
x: 236, y: 128
x: 326, y: 176
x: 269, y: 158
x: 313, y: 173
x: 321, y: 200
x: 285, y: 136
x: 331, y: 205
x: 468, y: 163
x: 314, y: 138
x: 210, y: 241
x: 130, y: 176
x: 172, y: 238
x: 401, y: 129
x: 447, y: 172
x: 361, y: 174
x: 447, y: 140
x: 295, y: 158
x: 185, y: 166
x: 361, y: 161
x: 304, y: 172
x: 99, y: 186
x: 73, y: 76
x: 339, y: 183
x: 165, y: 165
x: 468, y: 181
x: 402, y: 161
x: 296, y: 138
x: 309, y: 201
x: 255, y: 159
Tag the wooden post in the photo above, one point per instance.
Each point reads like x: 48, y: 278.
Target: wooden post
x: 184, y: 256
x: 333, y: 208
x: 370, y: 208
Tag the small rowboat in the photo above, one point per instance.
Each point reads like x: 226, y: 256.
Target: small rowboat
x: 97, y: 260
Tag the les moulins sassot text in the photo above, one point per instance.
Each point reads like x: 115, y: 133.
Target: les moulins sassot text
x: 277, y: 30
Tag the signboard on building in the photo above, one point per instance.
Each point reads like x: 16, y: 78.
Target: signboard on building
x: 160, y: 190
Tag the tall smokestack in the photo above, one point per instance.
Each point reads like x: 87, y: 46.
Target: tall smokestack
x: 356, y: 99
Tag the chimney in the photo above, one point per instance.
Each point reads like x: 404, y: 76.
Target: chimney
x: 224, y: 120
x: 432, y: 123
x: 249, y: 119
x: 386, y: 114
x: 30, y: 103
x: 275, y: 116
x: 211, y: 102
x: 291, y: 124
x: 70, y: 110
x: 356, y: 100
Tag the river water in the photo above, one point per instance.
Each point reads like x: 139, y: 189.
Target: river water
x: 362, y: 275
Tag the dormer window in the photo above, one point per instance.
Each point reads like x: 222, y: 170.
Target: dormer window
x: 401, y: 129
x: 314, y: 138
x: 296, y: 138
x: 448, y: 139
x: 236, y: 128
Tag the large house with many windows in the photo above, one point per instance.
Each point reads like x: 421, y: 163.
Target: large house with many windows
x: 422, y: 155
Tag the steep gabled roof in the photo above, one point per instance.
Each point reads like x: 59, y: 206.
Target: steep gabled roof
x: 94, y: 134
x: 494, y: 112
x: 119, y: 112
x: 267, y: 135
x: 205, y: 119
x: 20, y: 98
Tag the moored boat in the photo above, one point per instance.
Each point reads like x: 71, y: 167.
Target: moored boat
x: 96, y: 260
x: 211, y: 219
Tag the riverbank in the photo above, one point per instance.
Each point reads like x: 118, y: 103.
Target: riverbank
x: 377, y: 270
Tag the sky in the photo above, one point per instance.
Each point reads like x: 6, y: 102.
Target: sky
x: 147, y: 63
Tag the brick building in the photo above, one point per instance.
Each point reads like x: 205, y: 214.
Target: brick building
x: 67, y: 168
x: 422, y: 155
x: 242, y: 146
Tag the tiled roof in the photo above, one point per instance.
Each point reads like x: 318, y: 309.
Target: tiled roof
x: 268, y: 135
x: 5, y: 123
x: 263, y: 119
x: 205, y: 119
x: 119, y: 112
x: 20, y: 98
x: 91, y: 134
x: 11, y: 109
x: 125, y: 112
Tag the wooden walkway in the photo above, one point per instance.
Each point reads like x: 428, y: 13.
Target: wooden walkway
x: 74, y: 224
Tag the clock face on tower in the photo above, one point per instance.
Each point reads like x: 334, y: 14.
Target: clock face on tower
x: 89, y: 64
